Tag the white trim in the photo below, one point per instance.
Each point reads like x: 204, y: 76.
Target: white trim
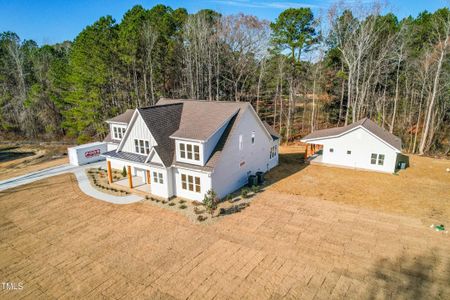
x: 116, y: 122
x: 348, y: 131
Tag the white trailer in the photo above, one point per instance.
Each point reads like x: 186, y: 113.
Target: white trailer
x: 87, y: 153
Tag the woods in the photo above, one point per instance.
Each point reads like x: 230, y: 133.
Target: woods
x: 301, y: 72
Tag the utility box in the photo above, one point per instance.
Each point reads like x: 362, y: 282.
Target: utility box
x: 86, y: 153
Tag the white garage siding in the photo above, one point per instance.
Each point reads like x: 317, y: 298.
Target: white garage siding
x: 361, y: 145
x: 237, y: 163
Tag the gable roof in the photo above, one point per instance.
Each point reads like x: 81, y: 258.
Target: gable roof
x: 122, y: 118
x: 366, y: 123
x: 163, y: 121
x: 273, y: 133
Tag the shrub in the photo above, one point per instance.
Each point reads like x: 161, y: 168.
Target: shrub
x: 124, y: 172
x: 210, y: 201
x: 229, y: 198
x: 201, y: 218
x: 171, y: 203
x: 244, y: 193
x: 181, y: 201
x: 164, y: 202
x: 182, y: 206
x: 256, y: 189
x: 147, y: 197
x: 157, y: 200
x: 196, y: 203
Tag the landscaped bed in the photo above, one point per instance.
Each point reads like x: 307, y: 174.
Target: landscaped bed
x: 199, y: 212
x: 98, y: 178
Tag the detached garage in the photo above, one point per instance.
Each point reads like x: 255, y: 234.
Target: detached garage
x: 87, y: 153
x: 361, y: 145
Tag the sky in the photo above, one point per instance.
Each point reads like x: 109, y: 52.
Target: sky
x: 53, y: 21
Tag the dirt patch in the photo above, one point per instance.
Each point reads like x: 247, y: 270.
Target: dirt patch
x: 61, y: 243
x: 20, y: 159
x: 423, y: 190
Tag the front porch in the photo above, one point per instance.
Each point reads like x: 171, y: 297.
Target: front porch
x: 132, y: 182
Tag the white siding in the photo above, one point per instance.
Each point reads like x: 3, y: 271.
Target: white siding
x: 138, y: 131
x: 229, y: 175
x: 205, y: 184
x: 361, y: 144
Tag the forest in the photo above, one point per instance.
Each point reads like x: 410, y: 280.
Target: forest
x: 302, y: 72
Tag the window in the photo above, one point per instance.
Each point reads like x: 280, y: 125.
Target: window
x: 191, y: 183
x: 331, y: 150
x: 197, y: 184
x: 380, y: 159
x: 158, y: 177
x: 273, y: 151
x: 196, y: 152
x: 118, y: 132
x: 241, y: 143
x: 189, y: 151
x: 183, y: 182
x: 182, y: 150
x: 253, y: 138
x: 349, y: 152
x: 140, y: 148
x: 373, y: 158
x: 147, y: 147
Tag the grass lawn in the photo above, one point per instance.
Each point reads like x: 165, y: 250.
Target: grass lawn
x: 422, y: 191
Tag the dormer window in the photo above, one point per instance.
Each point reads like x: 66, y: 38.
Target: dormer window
x: 189, y: 151
x: 118, y: 132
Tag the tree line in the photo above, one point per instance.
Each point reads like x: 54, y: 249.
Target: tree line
x: 300, y: 72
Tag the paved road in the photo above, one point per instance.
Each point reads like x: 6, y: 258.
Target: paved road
x: 83, y: 182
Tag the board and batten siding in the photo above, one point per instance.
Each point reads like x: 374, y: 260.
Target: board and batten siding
x: 235, y: 165
x: 139, y: 130
x: 362, y: 144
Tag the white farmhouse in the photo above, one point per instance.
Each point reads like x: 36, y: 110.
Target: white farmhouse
x: 361, y: 145
x: 186, y: 147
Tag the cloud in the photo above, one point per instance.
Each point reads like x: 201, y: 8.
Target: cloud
x: 261, y: 4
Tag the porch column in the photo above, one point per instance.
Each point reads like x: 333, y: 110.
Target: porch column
x: 148, y: 176
x: 108, y: 163
x: 306, y: 151
x: 130, y: 179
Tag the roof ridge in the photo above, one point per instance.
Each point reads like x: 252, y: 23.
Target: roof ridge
x: 158, y: 106
x: 204, y: 101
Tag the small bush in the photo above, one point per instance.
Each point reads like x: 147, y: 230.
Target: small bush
x: 244, y: 193
x: 196, y: 203
x: 124, y: 172
x: 157, y: 200
x: 201, y: 218
x: 164, y: 202
x: 181, y: 201
x: 229, y: 198
x: 210, y: 201
x: 198, y: 210
x: 256, y: 189
x: 147, y: 197
x: 182, y: 206
x: 171, y: 203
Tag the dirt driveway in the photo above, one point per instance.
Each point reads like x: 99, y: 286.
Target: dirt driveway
x: 60, y: 243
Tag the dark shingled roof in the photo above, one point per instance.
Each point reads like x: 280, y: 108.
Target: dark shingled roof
x: 163, y: 121
x: 126, y: 156
x: 273, y: 133
x: 368, y: 124
x: 123, y: 118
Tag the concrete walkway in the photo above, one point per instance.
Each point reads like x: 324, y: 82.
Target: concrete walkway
x: 83, y: 182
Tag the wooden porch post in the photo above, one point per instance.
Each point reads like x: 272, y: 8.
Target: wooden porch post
x: 109, y: 172
x: 306, y: 151
x: 148, y: 177
x: 130, y: 179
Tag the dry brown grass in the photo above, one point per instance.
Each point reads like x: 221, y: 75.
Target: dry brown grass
x: 423, y: 190
x: 62, y: 244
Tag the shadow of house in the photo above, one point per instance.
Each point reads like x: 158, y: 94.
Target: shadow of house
x: 412, y: 277
x: 288, y: 164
